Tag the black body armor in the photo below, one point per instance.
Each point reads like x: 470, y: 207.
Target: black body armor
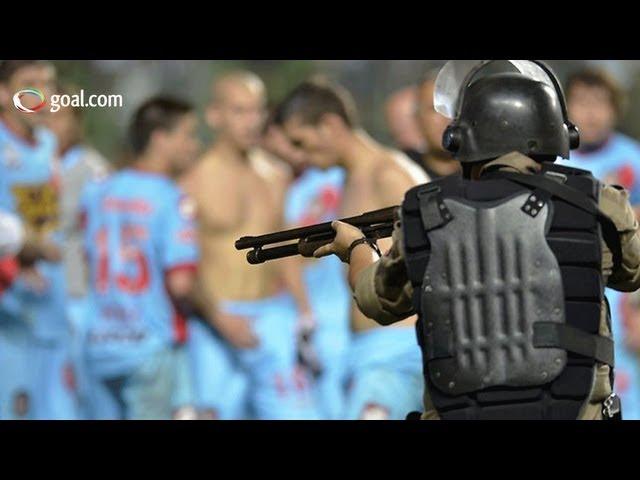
x: 508, y: 287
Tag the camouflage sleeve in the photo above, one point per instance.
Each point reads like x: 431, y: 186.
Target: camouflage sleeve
x: 614, y: 202
x: 383, y: 291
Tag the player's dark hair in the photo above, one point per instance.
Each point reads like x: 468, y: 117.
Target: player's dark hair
x: 597, y: 77
x: 313, y: 99
x: 9, y: 67
x: 157, y: 113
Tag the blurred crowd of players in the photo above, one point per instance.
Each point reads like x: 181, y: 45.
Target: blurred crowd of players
x: 128, y: 300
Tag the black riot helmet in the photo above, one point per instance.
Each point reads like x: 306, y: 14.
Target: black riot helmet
x: 498, y: 113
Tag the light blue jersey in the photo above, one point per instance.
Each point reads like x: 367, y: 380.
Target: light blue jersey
x: 139, y: 226
x: 315, y: 198
x: 29, y: 188
x: 386, y: 381
x: 618, y: 162
x: 34, y: 332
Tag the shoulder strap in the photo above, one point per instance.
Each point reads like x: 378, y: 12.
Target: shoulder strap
x: 577, y: 199
x: 573, y: 340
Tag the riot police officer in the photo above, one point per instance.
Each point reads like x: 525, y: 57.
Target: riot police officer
x: 507, y: 265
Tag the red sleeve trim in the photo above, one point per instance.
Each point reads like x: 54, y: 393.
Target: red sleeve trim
x: 189, y: 267
x: 9, y: 270
x: 180, y: 328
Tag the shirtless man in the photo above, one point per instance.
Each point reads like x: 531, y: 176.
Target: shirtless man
x: 385, y: 365
x: 248, y: 359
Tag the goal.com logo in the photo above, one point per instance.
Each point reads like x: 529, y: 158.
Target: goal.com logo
x: 17, y: 100
x: 58, y: 101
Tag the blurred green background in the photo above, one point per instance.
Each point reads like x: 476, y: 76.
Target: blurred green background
x: 370, y: 81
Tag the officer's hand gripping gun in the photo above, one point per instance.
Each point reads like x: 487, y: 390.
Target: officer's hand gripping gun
x: 374, y: 225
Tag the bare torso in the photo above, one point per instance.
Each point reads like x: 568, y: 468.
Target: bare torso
x: 234, y: 199
x: 365, y: 191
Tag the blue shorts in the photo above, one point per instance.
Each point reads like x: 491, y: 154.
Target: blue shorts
x: 78, y: 311
x: 220, y: 386
x: 37, y: 380
x: 330, y: 300
x: 16, y: 389
x: 184, y: 395
x: 52, y: 371
x: 274, y: 387
x: 279, y: 388
x: 148, y: 393
x: 385, y: 374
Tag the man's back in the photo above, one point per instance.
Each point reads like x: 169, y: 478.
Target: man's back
x: 138, y: 228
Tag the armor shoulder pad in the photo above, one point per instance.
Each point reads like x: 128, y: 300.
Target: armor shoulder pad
x: 554, y: 167
x: 577, y: 178
x: 411, y: 199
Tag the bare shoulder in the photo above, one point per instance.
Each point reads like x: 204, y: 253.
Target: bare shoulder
x: 271, y: 168
x: 213, y: 185
x: 205, y: 177
x: 399, y: 175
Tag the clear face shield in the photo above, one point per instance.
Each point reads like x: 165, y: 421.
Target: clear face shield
x: 456, y: 75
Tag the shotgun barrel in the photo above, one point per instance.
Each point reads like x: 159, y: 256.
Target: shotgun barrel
x: 375, y: 224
